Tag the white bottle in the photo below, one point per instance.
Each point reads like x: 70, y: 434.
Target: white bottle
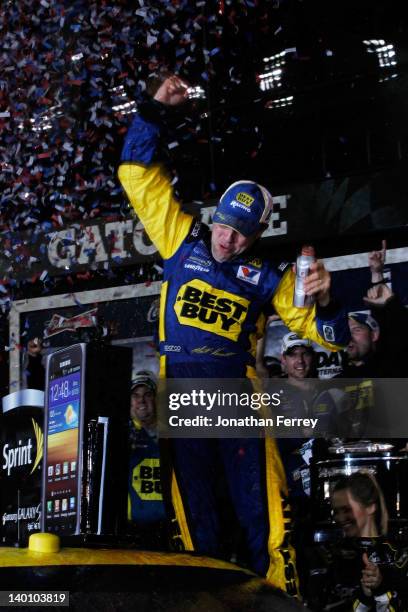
x: 303, y: 263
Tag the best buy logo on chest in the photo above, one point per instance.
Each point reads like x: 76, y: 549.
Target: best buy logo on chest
x: 200, y: 305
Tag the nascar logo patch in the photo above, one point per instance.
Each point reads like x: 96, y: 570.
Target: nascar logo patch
x: 249, y: 275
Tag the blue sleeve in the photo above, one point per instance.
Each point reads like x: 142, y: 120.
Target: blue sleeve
x: 327, y: 326
x: 147, y: 184
x: 141, y: 143
x: 332, y: 323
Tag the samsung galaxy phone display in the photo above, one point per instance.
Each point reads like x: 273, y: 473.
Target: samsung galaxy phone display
x: 64, y: 415
x: 85, y: 469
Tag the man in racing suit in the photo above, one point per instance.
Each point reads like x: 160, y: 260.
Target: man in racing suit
x: 215, y: 296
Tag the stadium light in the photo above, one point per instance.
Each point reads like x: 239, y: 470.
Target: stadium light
x: 273, y: 68
x: 385, y: 52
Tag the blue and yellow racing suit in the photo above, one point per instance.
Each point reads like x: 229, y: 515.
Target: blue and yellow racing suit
x: 211, y: 315
x: 145, y: 499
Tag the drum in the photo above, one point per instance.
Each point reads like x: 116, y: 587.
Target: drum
x: 390, y: 470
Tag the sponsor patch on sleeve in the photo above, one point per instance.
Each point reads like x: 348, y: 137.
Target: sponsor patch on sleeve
x: 328, y: 333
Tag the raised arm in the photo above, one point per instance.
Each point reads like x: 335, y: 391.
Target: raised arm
x: 144, y: 178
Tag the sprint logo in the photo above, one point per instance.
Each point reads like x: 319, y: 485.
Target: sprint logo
x: 200, y: 305
x: 23, y: 454
x: 249, y: 275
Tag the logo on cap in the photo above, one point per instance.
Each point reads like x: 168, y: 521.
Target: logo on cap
x: 244, y: 198
x: 245, y: 206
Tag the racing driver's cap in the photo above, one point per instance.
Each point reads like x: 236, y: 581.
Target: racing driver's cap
x: 245, y: 207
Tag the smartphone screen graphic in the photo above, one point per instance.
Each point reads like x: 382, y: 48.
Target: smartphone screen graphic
x: 61, y: 474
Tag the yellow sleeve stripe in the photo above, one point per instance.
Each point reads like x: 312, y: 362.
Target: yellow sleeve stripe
x: 151, y: 195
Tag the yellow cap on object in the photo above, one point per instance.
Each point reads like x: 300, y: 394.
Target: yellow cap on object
x: 44, y: 543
